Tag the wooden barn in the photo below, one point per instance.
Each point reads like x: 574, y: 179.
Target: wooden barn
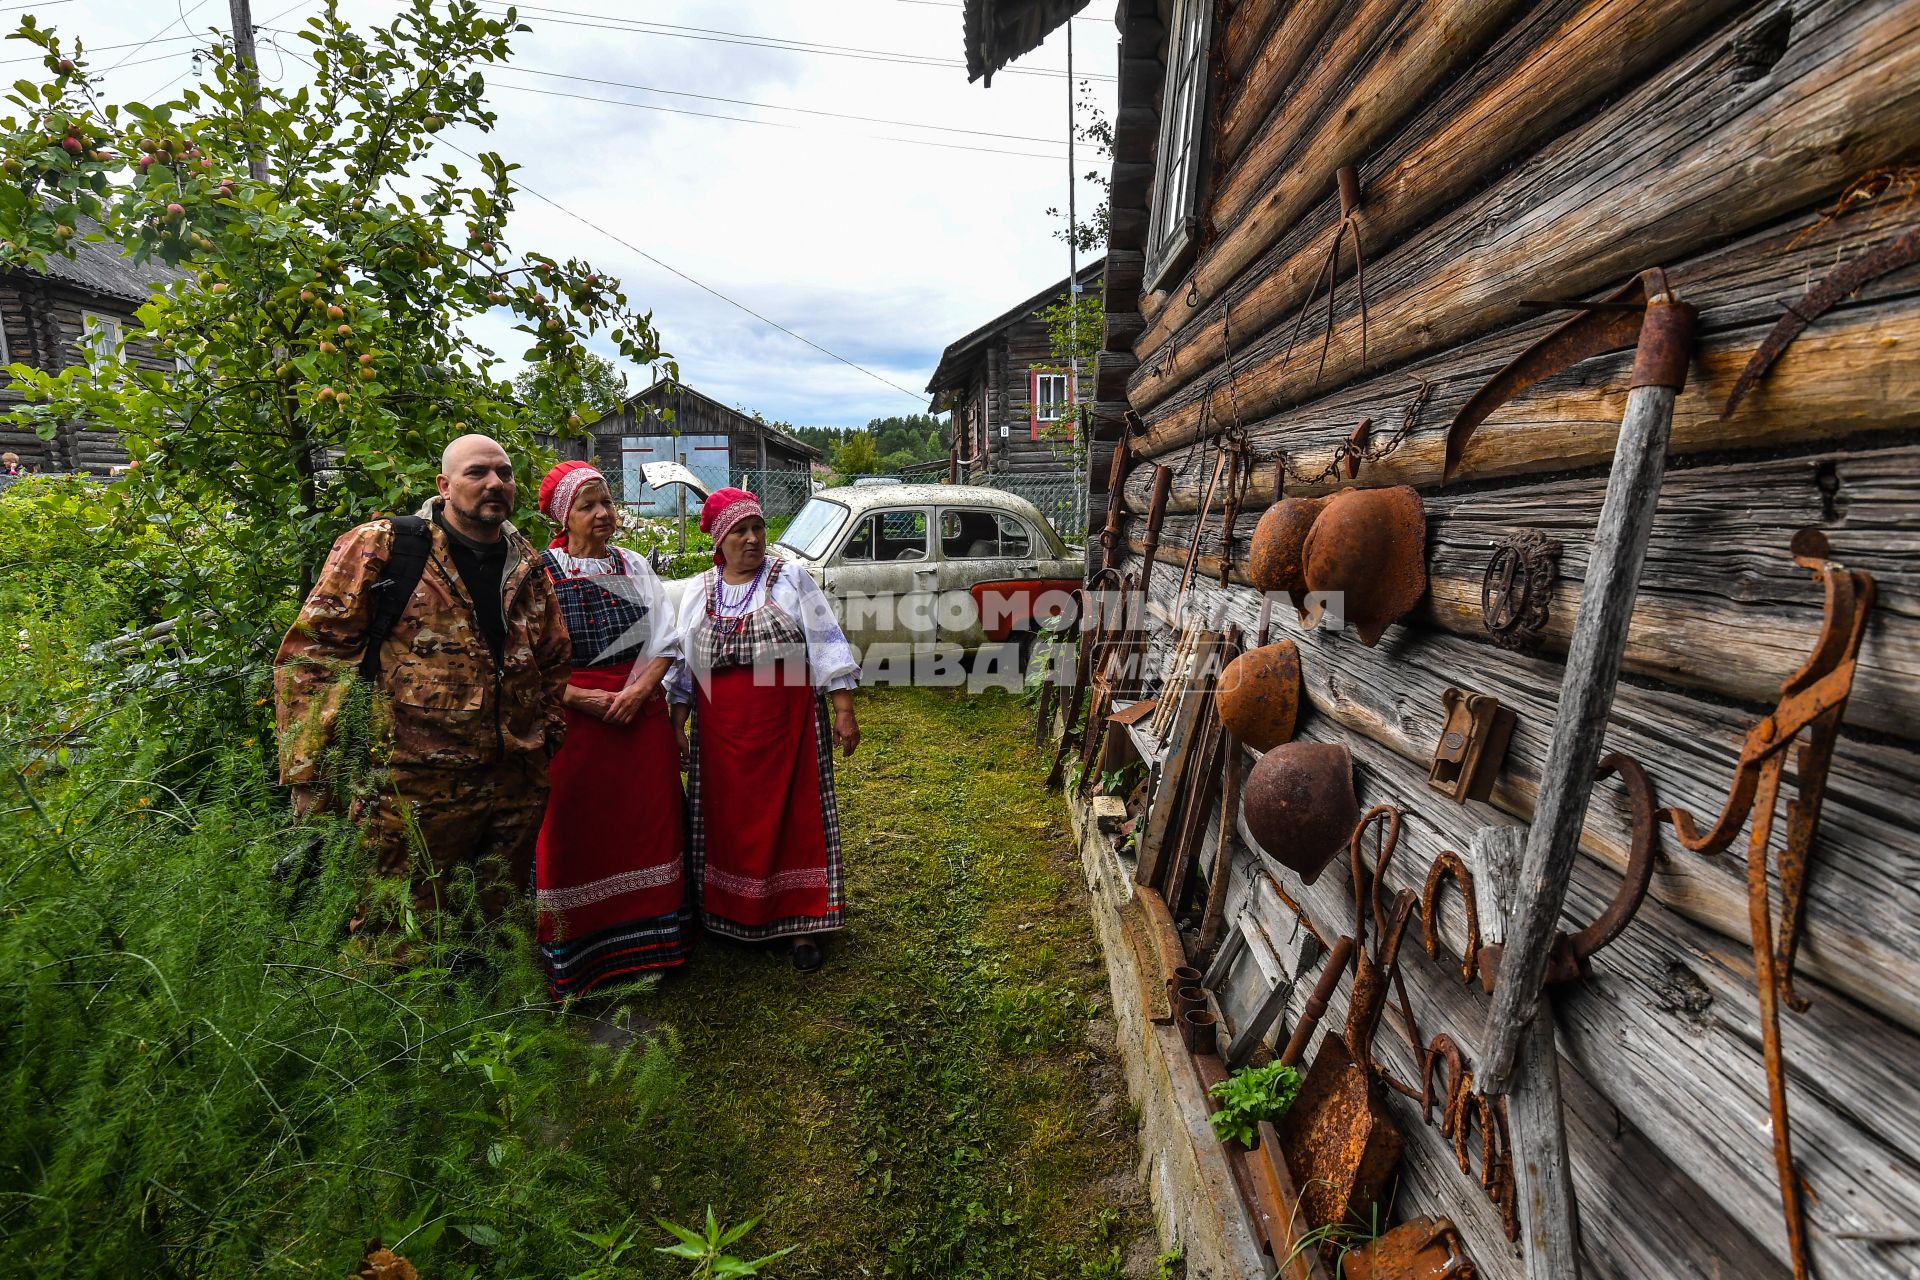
x: 47, y: 320
x: 1596, y: 324
x: 670, y: 421
x: 1013, y: 402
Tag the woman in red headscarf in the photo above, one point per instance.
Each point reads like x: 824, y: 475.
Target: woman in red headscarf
x: 763, y: 659
x: 609, y: 867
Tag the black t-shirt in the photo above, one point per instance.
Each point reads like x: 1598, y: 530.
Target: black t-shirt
x: 481, y: 566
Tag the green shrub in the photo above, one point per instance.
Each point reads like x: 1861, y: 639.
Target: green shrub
x: 1251, y: 1095
x: 201, y: 1076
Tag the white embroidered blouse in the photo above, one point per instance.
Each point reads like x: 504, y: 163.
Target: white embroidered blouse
x: 831, y: 660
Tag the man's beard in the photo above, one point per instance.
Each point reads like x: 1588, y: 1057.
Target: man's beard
x: 480, y: 515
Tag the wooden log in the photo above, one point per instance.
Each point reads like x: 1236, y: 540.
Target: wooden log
x: 1351, y: 100
x: 1863, y: 898
x: 1693, y: 156
x: 1242, y: 35
x: 1855, y: 373
x: 1252, y: 98
x: 1553, y: 66
x: 1721, y: 607
x: 1110, y: 370
x: 1543, y: 1171
x: 1124, y: 267
x: 1667, y: 1032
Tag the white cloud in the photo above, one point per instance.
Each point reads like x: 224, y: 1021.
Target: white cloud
x: 879, y: 250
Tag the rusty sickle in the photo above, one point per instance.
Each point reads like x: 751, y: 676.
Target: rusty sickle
x: 1812, y: 700
x: 1624, y: 318
x: 1841, y: 282
x: 1113, y: 550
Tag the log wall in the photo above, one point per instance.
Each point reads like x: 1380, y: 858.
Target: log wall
x: 1513, y: 150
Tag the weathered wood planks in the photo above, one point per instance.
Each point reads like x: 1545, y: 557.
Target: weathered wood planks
x: 1701, y: 152
x: 1863, y: 932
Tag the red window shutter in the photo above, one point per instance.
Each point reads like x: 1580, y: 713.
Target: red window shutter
x: 1033, y: 404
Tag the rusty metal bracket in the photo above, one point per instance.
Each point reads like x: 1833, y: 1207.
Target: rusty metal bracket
x: 1612, y: 323
x: 1422, y: 1248
x: 1449, y: 863
x: 1517, y: 589
x: 1571, y: 956
x: 1472, y: 747
x: 1840, y: 283
x: 1813, y: 700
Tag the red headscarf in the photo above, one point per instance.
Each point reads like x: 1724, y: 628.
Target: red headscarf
x: 725, y: 508
x: 557, y: 493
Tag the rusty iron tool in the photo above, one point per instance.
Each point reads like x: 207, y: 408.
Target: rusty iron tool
x: 1347, y: 180
x: 1113, y: 547
x: 1368, y: 887
x: 1813, y: 700
x: 1611, y: 324
x: 1156, y: 516
x: 1216, y: 760
x: 1239, y: 477
x: 1089, y: 624
x: 1517, y: 589
x: 1460, y: 1108
x: 1199, y: 529
x: 1420, y: 1248
x: 1214, y: 917
x: 1617, y: 554
x: 1449, y: 863
x: 1337, y: 1137
x: 1570, y: 958
x: 1842, y: 282
x: 1316, y: 1006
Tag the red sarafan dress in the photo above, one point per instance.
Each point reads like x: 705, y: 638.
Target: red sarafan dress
x: 764, y: 830
x: 610, y: 870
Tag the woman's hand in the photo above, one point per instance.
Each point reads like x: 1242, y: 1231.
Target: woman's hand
x: 628, y: 702
x: 597, y: 703
x: 846, y: 729
x: 686, y: 747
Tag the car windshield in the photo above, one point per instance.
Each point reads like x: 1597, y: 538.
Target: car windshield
x: 813, y: 530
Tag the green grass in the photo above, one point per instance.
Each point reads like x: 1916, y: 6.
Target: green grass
x: 921, y: 1106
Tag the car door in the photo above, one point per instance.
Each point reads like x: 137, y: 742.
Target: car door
x: 883, y: 581
x: 988, y: 563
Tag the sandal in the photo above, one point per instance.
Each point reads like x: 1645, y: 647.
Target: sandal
x: 806, y: 955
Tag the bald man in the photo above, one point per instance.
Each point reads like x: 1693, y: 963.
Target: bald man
x: 471, y: 663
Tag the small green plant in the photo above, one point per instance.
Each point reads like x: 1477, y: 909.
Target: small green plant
x: 1336, y: 1240
x: 707, y: 1249
x: 1118, y: 782
x: 1250, y: 1095
x: 1171, y: 1265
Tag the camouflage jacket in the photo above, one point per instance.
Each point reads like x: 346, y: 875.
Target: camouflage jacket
x: 446, y: 705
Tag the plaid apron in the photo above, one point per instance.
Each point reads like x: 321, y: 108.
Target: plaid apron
x: 765, y: 832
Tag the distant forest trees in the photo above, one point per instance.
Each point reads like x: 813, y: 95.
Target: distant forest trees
x: 884, y: 445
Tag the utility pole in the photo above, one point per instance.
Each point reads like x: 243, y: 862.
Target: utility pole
x: 1081, y: 446
x: 241, y: 12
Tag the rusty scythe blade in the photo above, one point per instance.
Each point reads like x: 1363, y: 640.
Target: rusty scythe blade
x: 1842, y: 282
x: 1611, y: 324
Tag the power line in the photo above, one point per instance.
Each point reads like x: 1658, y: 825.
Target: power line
x: 181, y: 15
x: 776, y: 106
x: 607, y: 22
x: 771, y: 124
x: 955, y: 4
x: 135, y: 45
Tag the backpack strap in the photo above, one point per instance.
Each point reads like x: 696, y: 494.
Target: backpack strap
x: 406, y: 561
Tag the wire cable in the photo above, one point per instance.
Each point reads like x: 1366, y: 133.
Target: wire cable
x: 180, y: 17
x: 607, y: 22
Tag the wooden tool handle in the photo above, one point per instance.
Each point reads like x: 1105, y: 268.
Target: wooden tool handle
x: 1317, y: 1002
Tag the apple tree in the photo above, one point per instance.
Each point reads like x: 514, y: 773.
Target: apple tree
x: 320, y: 318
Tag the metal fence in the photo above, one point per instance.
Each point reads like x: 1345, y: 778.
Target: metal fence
x: 1062, y: 499
x: 781, y: 493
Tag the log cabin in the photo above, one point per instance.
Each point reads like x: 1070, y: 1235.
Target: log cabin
x: 1500, y: 154
x: 48, y: 320
x: 1014, y: 403
x: 670, y: 421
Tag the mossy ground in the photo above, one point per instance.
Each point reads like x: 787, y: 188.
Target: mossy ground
x: 939, y: 1100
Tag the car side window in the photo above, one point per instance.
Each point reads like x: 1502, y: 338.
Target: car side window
x: 1015, y: 538
x: 888, y: 535
x: 969, y: 535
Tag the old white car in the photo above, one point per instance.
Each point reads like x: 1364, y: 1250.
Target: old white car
x: 923, y: 566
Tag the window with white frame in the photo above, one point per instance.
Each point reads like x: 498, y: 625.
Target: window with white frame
x: 100, y: 333
x: 1176, y: 182
x: 1050, y: 401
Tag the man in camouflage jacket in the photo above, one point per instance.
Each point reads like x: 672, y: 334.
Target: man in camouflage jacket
x: 471, y: 675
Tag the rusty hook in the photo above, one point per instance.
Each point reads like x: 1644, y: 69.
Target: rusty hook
x: 1443, y: 1049
x: 1571, y: 954
x: 1449, y: 863
x: 1347, y: 179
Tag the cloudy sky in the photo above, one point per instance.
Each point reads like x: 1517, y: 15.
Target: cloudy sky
x: 881, y: 242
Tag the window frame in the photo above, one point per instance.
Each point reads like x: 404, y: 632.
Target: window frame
x: 1173, y: 221
x: 94, y: 322
x: 1062, y: 405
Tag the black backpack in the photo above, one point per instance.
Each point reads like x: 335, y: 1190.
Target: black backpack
x: 406, y: 561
